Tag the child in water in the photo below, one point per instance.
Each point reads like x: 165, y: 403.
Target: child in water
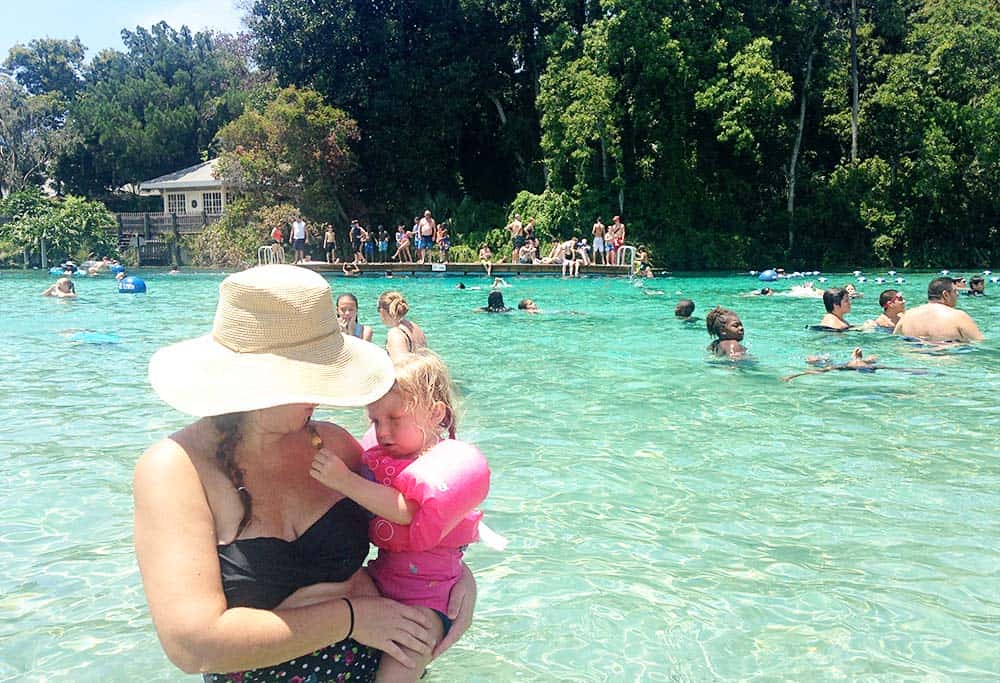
x: 428, y: 488
x: 727, y: 327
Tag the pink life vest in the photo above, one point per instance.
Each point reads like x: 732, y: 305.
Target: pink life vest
x: 447, y: 482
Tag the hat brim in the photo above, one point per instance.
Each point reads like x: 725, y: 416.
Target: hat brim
x: 201, y: 377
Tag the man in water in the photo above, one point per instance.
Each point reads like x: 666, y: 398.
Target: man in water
x: 977, y: 286
x: 837, y: 301
x: 938, y: 319
x: 893, y: 306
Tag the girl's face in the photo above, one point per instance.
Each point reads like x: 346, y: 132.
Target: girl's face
x: 347, y: 310
x: 401, y: 431
x: 732, y: 328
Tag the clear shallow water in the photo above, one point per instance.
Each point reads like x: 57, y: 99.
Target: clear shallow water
x: 671, y: 517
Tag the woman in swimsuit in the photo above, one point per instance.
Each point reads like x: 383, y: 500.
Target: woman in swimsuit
x: 347, y: 316
x: 251, y: 567
x: 404, y: 336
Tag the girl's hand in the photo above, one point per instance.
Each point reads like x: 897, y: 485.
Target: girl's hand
x: 461, y: 604
x: 389, y: 626
x: 329, y: 470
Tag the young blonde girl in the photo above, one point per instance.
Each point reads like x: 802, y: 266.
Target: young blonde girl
x: 426, y: 489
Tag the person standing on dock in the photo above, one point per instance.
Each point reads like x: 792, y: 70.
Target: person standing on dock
x: 330, y: 244
x: 516, y: 230
x: 427, y: 227
x: 617, y: 235
x: 599, y: 231
x: 299, y: 239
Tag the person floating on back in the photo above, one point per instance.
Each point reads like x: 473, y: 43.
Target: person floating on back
x: 727, y: 327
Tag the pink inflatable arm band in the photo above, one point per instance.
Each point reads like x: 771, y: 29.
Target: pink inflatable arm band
x: 447, y: 482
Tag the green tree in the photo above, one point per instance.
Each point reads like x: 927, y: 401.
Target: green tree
x: 295, y: 148
x: 31, y: 136
x: 72, y: 226
x: 150, y: 110
x: 48, y: 65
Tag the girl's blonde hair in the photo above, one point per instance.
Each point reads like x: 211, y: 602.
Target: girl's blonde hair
x: 393, y: 303
x: 422, y: 379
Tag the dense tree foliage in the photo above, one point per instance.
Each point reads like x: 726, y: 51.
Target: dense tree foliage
x: 819, y: 132
x: 727, y: 133
x: 71, y: 226
x: 150, y: 110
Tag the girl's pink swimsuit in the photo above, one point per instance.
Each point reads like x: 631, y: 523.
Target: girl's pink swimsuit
x: 418, y: 563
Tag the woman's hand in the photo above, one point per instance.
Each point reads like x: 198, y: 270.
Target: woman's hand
x: 461, y: 604
x: 330, y: 470
x: 390, y: 626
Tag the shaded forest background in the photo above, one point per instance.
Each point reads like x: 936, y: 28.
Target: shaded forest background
x: 805, y: 133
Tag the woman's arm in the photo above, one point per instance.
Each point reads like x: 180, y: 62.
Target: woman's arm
x: 176, y: 543
x: 366, y: 333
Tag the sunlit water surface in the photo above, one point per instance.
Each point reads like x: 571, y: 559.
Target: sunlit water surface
x: 671, y: 517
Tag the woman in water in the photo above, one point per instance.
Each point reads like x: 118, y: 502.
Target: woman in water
x: 494, y: 303
x: 248, y: 563
x: 727, y: 328
x: 426, y: 489
x: 404, y: 336
x: 347, y: 316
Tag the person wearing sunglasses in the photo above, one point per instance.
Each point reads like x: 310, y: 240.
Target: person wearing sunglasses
x: 893, y: 306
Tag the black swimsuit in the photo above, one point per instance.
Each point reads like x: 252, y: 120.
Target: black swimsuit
x: 261, y: 572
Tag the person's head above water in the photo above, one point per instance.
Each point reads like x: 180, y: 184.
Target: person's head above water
x: 684, y: 308
x: 527, y: 305
x: 837, y: 297
x: 977, y: 284
x: 941, y: 290
x: 494, y: 303
x: 724, y: 324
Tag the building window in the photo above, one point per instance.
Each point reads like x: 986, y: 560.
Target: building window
x: 175, y: 203
x: 211, y: 202
x: 230, y: 198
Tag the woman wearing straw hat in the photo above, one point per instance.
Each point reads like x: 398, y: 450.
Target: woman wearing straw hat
x: 249, y: 563
x: 404, y: 336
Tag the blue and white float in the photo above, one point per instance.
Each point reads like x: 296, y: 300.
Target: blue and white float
x: 131, y: 285
x: 768, y: 275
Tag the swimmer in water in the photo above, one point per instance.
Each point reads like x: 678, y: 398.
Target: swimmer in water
x: 837, y: 301
x: 683, y: 311
x: 527, y: 305
x: 727, y: 327
x: 62, y: 289
x: 858, y: 362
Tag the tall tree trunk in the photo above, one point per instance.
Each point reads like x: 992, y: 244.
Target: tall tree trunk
x: 795, y: 151
x: 854, y: 82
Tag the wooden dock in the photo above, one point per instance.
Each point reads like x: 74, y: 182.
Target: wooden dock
x: 462, y: 269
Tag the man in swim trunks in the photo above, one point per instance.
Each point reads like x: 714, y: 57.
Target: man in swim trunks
x: 837, y: 301
x: 938, y: 319
x: 617, y: 235
x: 516, y: 230
x: 427, y: 227
x: 299, y: 239
x: 598, y: 231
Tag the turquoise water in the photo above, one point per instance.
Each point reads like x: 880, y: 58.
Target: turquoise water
x: 671, y: 517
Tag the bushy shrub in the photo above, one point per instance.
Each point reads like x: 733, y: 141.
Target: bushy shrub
x: 556, y: 213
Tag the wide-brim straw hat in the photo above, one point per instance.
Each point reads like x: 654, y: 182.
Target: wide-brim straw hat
x: 275, y: 341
